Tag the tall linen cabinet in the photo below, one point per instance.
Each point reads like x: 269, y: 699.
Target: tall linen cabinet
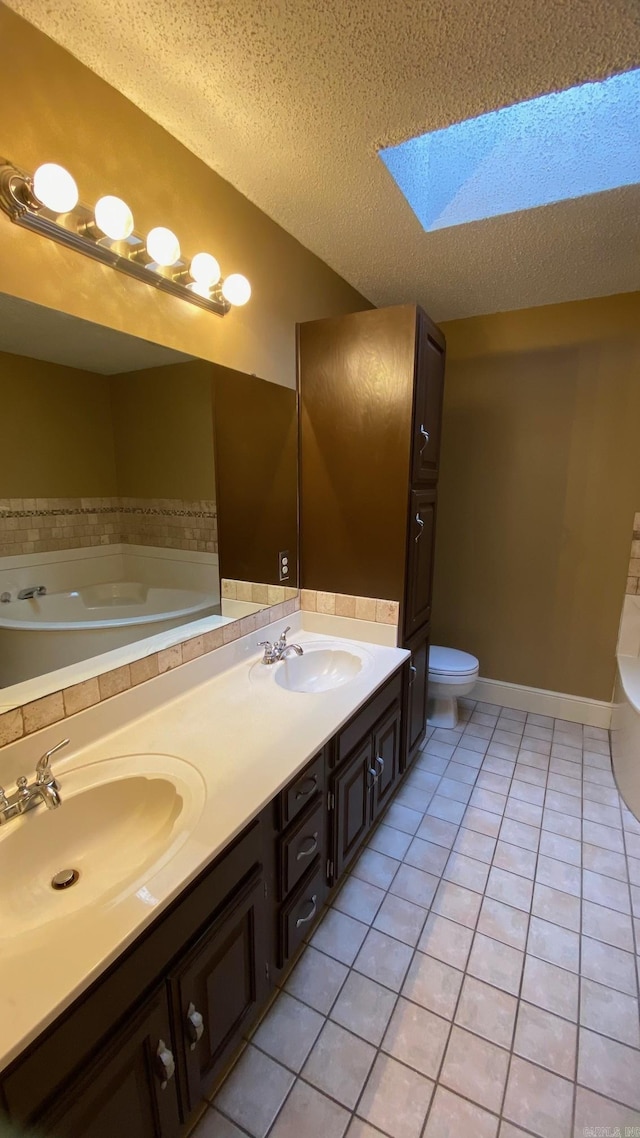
x: 371, y: 389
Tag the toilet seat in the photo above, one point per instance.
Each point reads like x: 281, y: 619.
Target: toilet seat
x: 451, y: 662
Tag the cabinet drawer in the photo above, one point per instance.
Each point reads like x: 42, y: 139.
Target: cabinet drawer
x: 301, y: 790
x: 362, y: 723
x: 301, y: 845
x: 297, y: 916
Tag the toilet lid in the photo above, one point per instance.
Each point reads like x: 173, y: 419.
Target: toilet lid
x: 451, y: 662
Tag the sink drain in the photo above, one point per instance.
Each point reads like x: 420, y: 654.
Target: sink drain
x: 64, y: 879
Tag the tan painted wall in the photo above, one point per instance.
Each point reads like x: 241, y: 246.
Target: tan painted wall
x: 56, y: 431
x: 540, y: 481
x: 163, y: 432
x: 55, y: 109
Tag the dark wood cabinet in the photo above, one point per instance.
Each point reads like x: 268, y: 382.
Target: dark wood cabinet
x: 351, y: 790
x: 416, y: 701
x: 371, y: 394
x: 386, y: 758
x: 130, y: 1088
x: 219, y: 987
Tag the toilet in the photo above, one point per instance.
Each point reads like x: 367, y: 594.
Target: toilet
x: 451, y: 674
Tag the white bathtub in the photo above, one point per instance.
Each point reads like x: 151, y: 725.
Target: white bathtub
x: 49, y: 632
x: 625, y: 731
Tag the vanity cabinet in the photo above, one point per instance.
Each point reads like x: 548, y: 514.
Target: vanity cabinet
x: 300, y: 856
x: 415, y: 711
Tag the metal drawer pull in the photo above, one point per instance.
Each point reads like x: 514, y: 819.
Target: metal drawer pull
x: 166, y: 1064
x: 195, y: 1026
x: 310, y: 850
x: 414, y: 673
x: 381, y: 762
x: 421, y: 524
x: 375, y: 775
x: 425, y: 435
x: 314, y: 909
x: 313, y: 779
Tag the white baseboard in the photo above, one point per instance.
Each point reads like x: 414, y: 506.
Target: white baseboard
x: 576, y: 708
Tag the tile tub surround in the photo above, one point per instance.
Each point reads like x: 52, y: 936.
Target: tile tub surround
x: 633, y: 580
x: 340, y: 604
x: 42, y: 525
x: 477, y: 973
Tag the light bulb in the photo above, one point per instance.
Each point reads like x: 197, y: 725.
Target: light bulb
x: 55, y: 188
x: 114, y: 217
x: 236, y: 289
x: 204, y: 269
x: 163, y: 246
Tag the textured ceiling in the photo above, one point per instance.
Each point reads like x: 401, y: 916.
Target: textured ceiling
x: 291, y: 99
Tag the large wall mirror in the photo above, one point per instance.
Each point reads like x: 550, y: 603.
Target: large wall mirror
x: 140, y: 490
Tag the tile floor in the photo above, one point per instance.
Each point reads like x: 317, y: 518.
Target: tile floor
x: 477, y: 973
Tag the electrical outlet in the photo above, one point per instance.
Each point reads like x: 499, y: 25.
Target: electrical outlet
x: 284, y: 570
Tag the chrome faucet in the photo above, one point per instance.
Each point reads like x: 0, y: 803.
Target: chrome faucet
x: 32, y: 591
x: 277, y: 651
x: 27, y: 795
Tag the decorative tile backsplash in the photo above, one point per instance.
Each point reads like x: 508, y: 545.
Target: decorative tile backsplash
x: 45, y: 525
x: 340, y: 604
x: 633, y: 580
x: 254, y: 591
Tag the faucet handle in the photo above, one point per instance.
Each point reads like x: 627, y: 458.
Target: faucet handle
x: 42, y: 766
x: 4, y: 801
x: 283, y: 636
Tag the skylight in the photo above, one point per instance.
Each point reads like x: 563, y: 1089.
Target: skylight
x: 559, y: 146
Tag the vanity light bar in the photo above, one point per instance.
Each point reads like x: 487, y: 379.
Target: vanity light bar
x: 57, y: 213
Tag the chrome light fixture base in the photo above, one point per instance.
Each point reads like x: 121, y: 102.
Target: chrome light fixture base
x: 78, y: 230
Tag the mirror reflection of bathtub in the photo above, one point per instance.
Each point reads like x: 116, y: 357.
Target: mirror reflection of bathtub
x: 625, y: 722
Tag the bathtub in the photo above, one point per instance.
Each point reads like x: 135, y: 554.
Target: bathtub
x: 49, y: 632
x: 625, y: 719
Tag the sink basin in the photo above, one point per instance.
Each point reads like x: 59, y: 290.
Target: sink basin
x: 120, y: 820
x: 318, y: 670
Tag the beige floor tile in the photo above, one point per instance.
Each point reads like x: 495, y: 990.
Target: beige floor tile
x: 607, y: 815
x: 438, y: 831
x: 453, y: 788
x: 451, y: 1116
x: 603, y: 890
x: 508, y: 1130
x: 535, y: 776
x: 558, y: 823
x: 475, y: 1068
x: 610, y: 1068
x: 487, y: 1011
x: 525, y: 792
x: 594, y: 1111
x: 414, y: 798
x: 364, y: 1007
x: 402, y: 818
x: 214, y: 1125
x: 546, y: 1039
x: 550, y: 987
x: 558, y: 908
x: 483, y: 821
x: 608, y: 965
x: 539, y: 1100
x: 608, y: 925
x: 523, y: 812
x: 289, y: 1031
x: 446, y: 808
x: 496, y: 963
x: 400, y: 919
x: 488, y: 800
x: 446, y: 940
x: 553, y: 943
x: 501, y: 768
x: 433, y: 984
x: 308, y: 1112
x: 316, y: 979
x: 396, y: 1099
x: 427, y: 856
x: 417, y: 1037
x: 359, y: 899
x: 415, y: 885
x: 388, y: 841
x: 503, y: 922
x: 376, y: 868
x: 609, y: 1012
x: 339, y: 1064
x: 384, y: 959
x: 515, y: 859
x: 607, y: 837
x: 476, y: 845
x: 558, y: 875
x: 561, y: 848
x: 562, y: 803
x: 339, y: 936
x: 456, y: 903
x: 360, y: 1129
x: 510, y: 889
x: 466, y: 871
x: 461, y: 772
x: 254, y: 1092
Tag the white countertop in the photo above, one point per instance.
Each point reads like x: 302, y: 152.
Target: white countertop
x: 245, y: 735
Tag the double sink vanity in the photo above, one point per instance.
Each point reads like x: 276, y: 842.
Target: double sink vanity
x: 207, y: 815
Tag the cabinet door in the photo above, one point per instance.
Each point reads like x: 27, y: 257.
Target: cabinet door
x: 219, y: 988
x: 427, y: 413
x: 421, y: 542
x: 130, y: 1088
x: 386, y: 757
x: 352, y: 813
x: 416, y: 715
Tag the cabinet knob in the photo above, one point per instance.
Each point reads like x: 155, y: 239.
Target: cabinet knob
x: 425, y: 436
x: 310, y: 850
x: 421, y: 524
x: 195, y: 1026
x: 166, y: 1064
x: 314, y: 909
x: 414, y: 673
